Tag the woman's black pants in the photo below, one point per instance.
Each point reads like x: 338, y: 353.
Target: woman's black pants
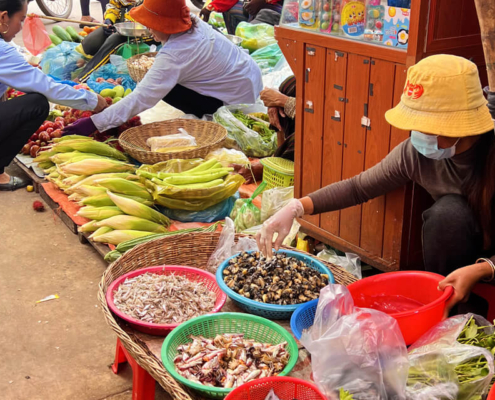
x: 452, y: 239
x: 19, y: 119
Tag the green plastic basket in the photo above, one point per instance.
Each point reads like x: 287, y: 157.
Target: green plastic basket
x: 278, y: 172
x: 253, y: 327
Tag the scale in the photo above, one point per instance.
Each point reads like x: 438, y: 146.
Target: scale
x: 136, y: 31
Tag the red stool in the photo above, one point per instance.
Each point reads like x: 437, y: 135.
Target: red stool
x: 143, y: 384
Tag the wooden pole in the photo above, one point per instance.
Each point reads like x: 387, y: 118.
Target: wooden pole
x: 68, y: 20
x: 486, y: 17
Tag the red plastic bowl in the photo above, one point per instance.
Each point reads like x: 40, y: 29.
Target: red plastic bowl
x: 416, y: 285
x: 491, y: 395
x: 193, y: 274
x: 285, y: 387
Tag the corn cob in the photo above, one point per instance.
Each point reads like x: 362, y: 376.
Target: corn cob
x: 44, y: 156
x: 128, y: 222
x: 71, y: 137
x: 88, y: 190
x: 89, y: 146
x: 100, y: 231
x: 92, y: 167
x: 88, y: 227
x: 132, y: 207
x: 123, y: 186
x: 102, y: 200
x: 99, y: 213
x: 72, y: 180
x: 117, y: 237
x: 73, y: 156
x: 91, y: 179
x: 75, y: 197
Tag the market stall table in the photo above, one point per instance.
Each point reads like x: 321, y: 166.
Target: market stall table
x: 191, y: 250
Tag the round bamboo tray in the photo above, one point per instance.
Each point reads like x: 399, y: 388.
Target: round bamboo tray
x: 209, y: 136
x: 138, y: 73
x: 194, y: 250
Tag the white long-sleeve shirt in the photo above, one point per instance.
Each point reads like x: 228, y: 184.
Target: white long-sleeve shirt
x: 16, y: 73
x: 202, y: 60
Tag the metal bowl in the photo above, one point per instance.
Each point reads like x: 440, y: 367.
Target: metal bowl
x: 132, y: 29
x: 235, y: 39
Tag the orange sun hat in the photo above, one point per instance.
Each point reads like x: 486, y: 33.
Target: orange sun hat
x: 167, y: 16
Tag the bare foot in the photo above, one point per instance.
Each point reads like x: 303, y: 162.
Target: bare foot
x: 4, y: 178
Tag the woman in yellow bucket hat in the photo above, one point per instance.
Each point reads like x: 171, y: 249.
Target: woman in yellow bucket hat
x: 451, y: 153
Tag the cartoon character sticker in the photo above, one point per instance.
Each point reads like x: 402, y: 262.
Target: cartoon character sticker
x: 353, y: 14
x: 396, y: 27
x: 307, y: 13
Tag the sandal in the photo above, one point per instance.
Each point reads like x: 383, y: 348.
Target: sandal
x: 91, y: 20
x: 14, y: 184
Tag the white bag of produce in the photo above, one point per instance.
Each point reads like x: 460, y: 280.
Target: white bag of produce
x: 181, y: 139
x: 359, y: 350
x: 274, y: 200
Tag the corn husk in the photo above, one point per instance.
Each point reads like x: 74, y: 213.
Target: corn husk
x: 73, y: 156
x: 88, y: 227
x: 89, y: 146
x: 99, y: 213
x: 44, y: 156
x: 128, y: 222
x: 95, y: 166
x: 50, y: 170
x: 123, y: 186
x: 91, y: 179
x: 76, y: 197
x: 89, y: 190
x: 132, y: 207
x: 116, y: 237
x: 72, y: 180
x: 102, y: 200
x: 100, y: 231
x: 71, y: 137
x: 46, y: 165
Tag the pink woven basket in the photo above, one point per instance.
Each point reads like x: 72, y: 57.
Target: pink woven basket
x: 193, y: 274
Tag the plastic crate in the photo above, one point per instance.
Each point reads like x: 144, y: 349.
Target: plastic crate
x: 278, y: 172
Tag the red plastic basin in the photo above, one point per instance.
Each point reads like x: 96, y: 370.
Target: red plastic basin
x: 491, y: 395
x: 418, y: 286
x: 193, y: 274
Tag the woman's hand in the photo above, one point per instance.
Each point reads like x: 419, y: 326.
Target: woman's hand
x: 273, y: 98
x: 109, y: 29
x: 102, y: 104
x: 205, y: 14
x: 273, y: 114
x: 462, y: 281
x: 83, y: 127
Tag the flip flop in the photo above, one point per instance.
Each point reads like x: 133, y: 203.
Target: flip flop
x: 14, y: 184
x: 92, y: 20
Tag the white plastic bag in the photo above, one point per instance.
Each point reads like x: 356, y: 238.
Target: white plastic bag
x: 227, y: 157
x: 280, y: 73
x: 274, y: 200
x: 181, y: 139
x: 359, y: 350
x: 351, y: 262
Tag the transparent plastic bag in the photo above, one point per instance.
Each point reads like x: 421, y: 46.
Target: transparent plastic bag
x: 245, y: 214
x: 359, y: 350
x: 109, y: 71
x: 439, y: 346
x: 35, y: 36
x: 119, y: 63
x: 280, y: 73
x: 227, y: 247
x: 267, y: 57
x: 274, y: 200
x: 249, y: 141
x: 351, y: 262
x: 227, y: 157
x: 61, y: 61
x: 183, y: 138
x: 255, y: 36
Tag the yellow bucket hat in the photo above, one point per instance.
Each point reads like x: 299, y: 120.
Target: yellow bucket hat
x: 442, y: 96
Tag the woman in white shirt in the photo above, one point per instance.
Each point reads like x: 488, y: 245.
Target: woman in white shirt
x: 22, y: 116
x: 198, y: 70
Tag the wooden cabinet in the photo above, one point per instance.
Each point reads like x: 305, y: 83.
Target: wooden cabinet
x: 344, y: 88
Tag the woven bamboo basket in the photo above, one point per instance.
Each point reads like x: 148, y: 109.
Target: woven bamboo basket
x: 193, y: 250
x: 138, y: 73
x: 209, y: 136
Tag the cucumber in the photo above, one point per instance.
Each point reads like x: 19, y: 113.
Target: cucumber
x: 62, y: 34
x: 50, y: 47
x: 55, y: 40
x: 73, y: 34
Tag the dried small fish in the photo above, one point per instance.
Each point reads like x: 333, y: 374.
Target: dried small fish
x: 163, y: 299
x: 282, y: 280
x: 229, y: 360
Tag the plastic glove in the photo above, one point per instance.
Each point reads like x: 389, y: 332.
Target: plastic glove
x: 280, y: 223
x: 491, y: 101
x: 83, y: 127
x: 109, y: 29
x: 205, y: 14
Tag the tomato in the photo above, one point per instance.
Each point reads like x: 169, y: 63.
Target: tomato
x: 59, y: 119
x: 34, y: 137
x: 48, y: 125
x: 56, y: 134
x: 49, y: 130
x: 45, y: 136
x: 58, y: 125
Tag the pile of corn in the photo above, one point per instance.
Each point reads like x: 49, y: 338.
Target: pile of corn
x: 192, y: 185
x: 97, y: 177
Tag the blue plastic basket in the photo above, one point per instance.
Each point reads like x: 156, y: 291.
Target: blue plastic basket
x: 270, y: 311
x: 303, y: 318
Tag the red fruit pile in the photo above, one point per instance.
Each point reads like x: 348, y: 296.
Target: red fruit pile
x: 45, y: 133
x: 12, y: 93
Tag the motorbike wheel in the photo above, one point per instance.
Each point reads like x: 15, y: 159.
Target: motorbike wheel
x: 55, y: 8
x: 198, y: 3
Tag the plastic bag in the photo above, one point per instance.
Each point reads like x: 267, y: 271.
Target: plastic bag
x: 217, y: 20
x: 351, y: 262
x: 227, y: 157
x: 109, y: 71
x: 61, y: 61
x: 274, y: 200
x: 249, y: 141
x: 227, y: 247
x: 437, y: 356
x: 280, y: 73
x: 359, y: 350
x: 245, y: 214
x: 180, y: 139
x: 255, y: 36
x: 267, y: 57
x: 119, y: 63
x: 294, y: 230
x: 214, y: 213
x: 35, y: 36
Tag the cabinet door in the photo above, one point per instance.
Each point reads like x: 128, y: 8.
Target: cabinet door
x: 381, y: 92
x: 333, y: 133
x: 313, y: 100
x: 354, y: 139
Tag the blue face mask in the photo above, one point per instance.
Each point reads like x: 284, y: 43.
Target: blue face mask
x: 428, y: 146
